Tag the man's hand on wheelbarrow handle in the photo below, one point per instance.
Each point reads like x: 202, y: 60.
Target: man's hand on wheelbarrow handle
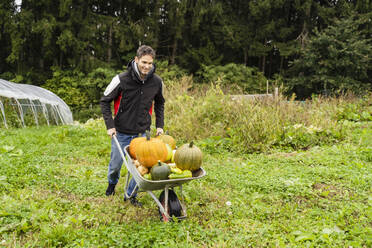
x: 111, y: 132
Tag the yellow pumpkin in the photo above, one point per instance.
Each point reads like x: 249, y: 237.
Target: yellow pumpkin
x: 167, y: 139
x: 170, y: 154
x: 150, y: 151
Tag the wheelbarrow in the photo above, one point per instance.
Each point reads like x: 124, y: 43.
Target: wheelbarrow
x: 169, y: 204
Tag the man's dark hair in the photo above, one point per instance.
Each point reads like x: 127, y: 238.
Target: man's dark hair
x: 145, y: 50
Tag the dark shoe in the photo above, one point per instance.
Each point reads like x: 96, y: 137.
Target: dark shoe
x: 134, y: 202
x: 110, y: 189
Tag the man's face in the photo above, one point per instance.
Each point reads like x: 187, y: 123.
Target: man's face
x: 144, y: 64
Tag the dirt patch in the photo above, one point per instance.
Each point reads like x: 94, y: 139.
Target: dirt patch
x: 285, y: 154
x: 327, y: 190
x: 300, y: 200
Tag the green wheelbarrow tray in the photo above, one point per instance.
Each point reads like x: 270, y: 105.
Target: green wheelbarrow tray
x: 148, y: 186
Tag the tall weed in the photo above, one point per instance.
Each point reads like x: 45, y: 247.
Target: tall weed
x: 243, y: 125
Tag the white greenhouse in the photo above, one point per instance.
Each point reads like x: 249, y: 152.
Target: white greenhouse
x: 28, y: 105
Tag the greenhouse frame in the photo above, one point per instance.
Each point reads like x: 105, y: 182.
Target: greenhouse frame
x: 24, y: 105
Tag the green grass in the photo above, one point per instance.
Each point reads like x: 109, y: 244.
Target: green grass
x: 52, y: 183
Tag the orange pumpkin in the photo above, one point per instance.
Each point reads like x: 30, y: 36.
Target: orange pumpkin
x: 133, y: 144
x: 150, y: 151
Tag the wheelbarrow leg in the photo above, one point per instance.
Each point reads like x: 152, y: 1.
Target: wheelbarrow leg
x: 127, y: 178
x: 166, y: 198
x: 127, y: 181
x: 183, y: 202
x: 162, y: 210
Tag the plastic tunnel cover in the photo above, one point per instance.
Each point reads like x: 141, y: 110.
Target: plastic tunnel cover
x: 38, y: 99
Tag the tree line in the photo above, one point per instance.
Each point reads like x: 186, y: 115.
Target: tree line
x: 280, y: 38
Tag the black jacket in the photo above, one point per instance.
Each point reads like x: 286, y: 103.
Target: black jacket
x: 133, y: 115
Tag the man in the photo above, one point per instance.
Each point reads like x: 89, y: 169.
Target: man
x: 133, y: 93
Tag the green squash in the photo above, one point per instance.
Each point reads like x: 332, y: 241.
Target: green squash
x: 160, y: 171
x: 188, y: 157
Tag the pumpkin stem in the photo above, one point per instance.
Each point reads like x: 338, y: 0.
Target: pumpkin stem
x: 148, y: 135
x: 166, y: 132
x: 191, y: 144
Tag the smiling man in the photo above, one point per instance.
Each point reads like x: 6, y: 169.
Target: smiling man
x: 134, y: 92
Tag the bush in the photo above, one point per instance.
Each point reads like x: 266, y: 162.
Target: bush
x: 359, y: 110
x: 249, y: 79
x: 68, y: 85
x: 80, y: 91
x: 96, y: 82
x: 84, y: 114
x: 169, y: 72
x: 299, y: 136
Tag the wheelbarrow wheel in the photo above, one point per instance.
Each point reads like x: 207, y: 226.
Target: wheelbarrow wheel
x: 174, y: 205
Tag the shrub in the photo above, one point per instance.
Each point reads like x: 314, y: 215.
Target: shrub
x: 299, y: 136
x: 169, y: 72
x: 68, y: 85
x: 84, y: 114
x: 96, y: 82
x: 249, y: 79
x: 357, y: 110
x: 81, y: 92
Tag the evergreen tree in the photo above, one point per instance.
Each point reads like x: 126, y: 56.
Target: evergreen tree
x: 46, y: 36
x: 172, y: 24
x: 75, y: 34
x: 201, y: 35
x: 336, y: 59
x: 7, y: 12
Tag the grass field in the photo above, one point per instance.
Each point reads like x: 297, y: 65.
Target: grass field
x: 52, y: 183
